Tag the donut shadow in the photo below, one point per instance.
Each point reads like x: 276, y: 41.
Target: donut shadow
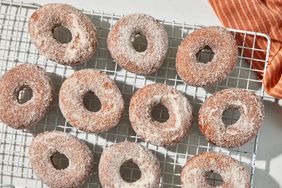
x: 102, y: 59
x: 53, y: 120
x: 262, y: 179
x: 122, y: 131
x: 170, y: 169
x: 242, y: 76
x: 269, y: 146
x: 270, y: 141
x: 93, y: 180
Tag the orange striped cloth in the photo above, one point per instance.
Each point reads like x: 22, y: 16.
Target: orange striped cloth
x: 261, y: 16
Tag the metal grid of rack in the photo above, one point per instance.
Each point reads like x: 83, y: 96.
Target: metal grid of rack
x: 16, y: 48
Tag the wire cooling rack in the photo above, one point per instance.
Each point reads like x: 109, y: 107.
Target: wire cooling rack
x: 16, y: 48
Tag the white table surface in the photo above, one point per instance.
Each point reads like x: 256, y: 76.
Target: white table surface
x: 269, y: 158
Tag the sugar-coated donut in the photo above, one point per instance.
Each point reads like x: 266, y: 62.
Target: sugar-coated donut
x: 225, y: 51
x: 42, y: 24
x: 71, y: 101
x: 114, y: 156
x: 237, y: 134
x: 180, y: 114
x: 122, y: 50
x: 22, y: 116
x: 79, y: 155
x: 233, y: 174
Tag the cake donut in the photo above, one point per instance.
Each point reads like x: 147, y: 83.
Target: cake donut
x: 237, y: 134
x: 121, y: 48
x: 225, y: 51
x: 41, y: 27
x: 114, y: 156
x: 46, y: 144
x: 233, y: 174
x: 180, y: 114
x: 23, y: 115
x: 71, y: 101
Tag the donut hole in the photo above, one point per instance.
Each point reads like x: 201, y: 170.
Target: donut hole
x: 24, y: 94
x: 205, y: 55
x: 62, y: 34
x: 160, y: 113
x: 91, y: 102
x: 59, y: 161
x: 139, y: 42
x: 231, y: 116
x: 129, y: 171
x: 213, y: 178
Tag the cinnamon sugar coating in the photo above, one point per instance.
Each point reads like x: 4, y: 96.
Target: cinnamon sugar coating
x: 180, y: 114
x: 71, y: 101
x: 79, y: 155
x: 233, y: 174
x: 225, y: 51
x: 114, y: 156
x: 22, y: 116
x: 122, y: 50
x: 84, y: 41
x: 239, y: 133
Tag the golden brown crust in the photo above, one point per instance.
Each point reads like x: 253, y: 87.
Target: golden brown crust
x: 121, y: 49
x: 237, y: 134
x: 21, y: 116
x: 79, y: 155
x: 180, y: 114
x: 71, y: 101
x: 233, y: 174
x: 225, y: 51
x: 84, y: 40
